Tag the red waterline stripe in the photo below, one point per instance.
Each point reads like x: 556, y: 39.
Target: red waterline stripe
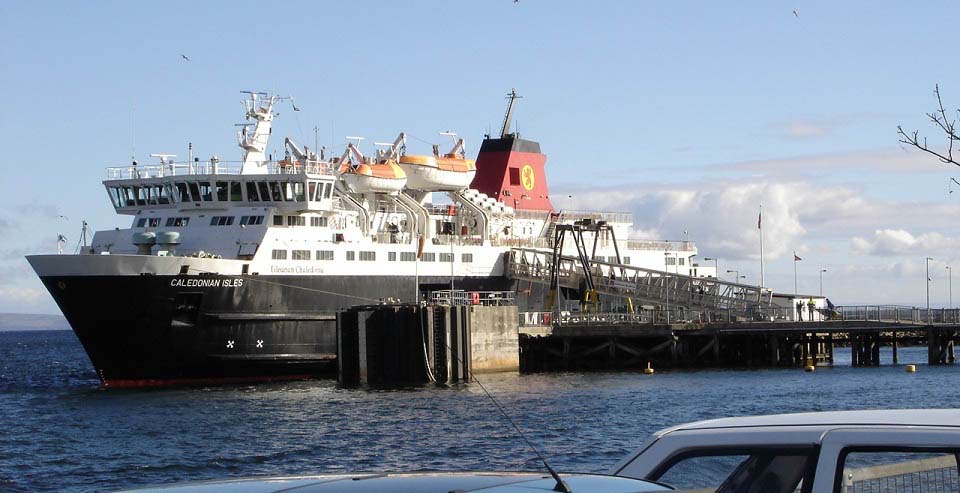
x: 175, y: 382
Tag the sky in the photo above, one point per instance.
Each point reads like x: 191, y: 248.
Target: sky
x: 688, y: 114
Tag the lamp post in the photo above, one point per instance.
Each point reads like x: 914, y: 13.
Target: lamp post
x: 716, y: 265
x: 666, y: 287
x: 950, y: 277
x: 928, y: 288
x: 821, y: 280
x: 736, y: 275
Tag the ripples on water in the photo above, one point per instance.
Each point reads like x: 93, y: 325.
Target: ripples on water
x: 63, y: 434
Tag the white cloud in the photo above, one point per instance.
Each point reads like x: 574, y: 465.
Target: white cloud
x: 20, y: 298
x: 804, y: 130
x: 889, y: 242
x: 723, y: 220
x: 894, y: 159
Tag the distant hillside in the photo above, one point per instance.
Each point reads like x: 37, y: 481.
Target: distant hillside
x: 27, y: 321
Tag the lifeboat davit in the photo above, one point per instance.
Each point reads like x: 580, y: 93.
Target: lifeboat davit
x: 385, y: 177
x: 447, y: 173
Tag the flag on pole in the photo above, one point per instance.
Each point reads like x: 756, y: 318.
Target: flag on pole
x: 759, y: 218
x: 796, y: 258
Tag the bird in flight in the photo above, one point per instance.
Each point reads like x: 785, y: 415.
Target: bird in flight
x: 796, y: 13
x: 294, y: 105
x: 188, y: 59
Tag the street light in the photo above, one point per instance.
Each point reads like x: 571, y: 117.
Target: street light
x: 736, y: 275
x: 716, y: 265
x: 821, y: 280
x: 928, y: 288
x: 950, y: 273
x: 666, y: 287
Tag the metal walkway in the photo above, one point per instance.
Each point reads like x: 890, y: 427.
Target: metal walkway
x: 647, y: 286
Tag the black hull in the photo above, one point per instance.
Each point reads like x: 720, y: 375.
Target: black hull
x: 165, y: 330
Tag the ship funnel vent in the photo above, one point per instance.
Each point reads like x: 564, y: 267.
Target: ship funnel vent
x: 144, y: 242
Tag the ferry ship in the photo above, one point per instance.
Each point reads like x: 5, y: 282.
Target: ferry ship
x: 235, y: 270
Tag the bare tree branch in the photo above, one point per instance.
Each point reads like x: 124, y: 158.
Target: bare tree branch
x: 938, y: 117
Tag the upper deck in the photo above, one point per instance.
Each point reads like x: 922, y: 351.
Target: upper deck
x: 295, y: 185
x: 214, y: 167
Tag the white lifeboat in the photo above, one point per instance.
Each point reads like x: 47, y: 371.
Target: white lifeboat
x: 447, y: 173
x: 385, y: 177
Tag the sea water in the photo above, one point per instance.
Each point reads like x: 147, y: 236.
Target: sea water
x: 60, y: 432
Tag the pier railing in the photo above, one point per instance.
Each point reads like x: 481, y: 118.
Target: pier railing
x: 459, y: 297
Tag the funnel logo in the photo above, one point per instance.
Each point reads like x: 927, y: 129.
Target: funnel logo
x: 527, y: 177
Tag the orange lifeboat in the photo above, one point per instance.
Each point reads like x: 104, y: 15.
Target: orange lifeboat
x: 449, y: 172
x: 384, y: 177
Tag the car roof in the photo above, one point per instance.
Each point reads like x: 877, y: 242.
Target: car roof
x: 831, y: 420
x: 421, y: 482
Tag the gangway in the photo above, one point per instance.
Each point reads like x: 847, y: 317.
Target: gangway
x: 590, y: 276
x: 647, y: 286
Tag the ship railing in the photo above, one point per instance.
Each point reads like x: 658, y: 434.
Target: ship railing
x: 392, y: 238
x: 678, y: 246
x: 456, y: 240
x: 523, y: 242
x: 459, y: 297
x: 143, y: 171
x: 442, y: 210
x: 610, y: 217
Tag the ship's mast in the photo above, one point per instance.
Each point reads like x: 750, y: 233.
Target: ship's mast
x: 505, y: 129
x: 253, y: 137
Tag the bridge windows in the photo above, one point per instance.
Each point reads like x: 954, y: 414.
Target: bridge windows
x: 182, y: 193
x: 275, y: 193
x: 252, y: 192
x: 223, y: 189
x: 206, y: 191
x: 264, y: 191
x: 318, y: 222
x: 671, y: 260
x: 115, y: 196
x: 278, y: 220
x: 194, y: 191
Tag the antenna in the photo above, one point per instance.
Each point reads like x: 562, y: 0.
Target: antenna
x: 561, y: 486
x: 513, y: 97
